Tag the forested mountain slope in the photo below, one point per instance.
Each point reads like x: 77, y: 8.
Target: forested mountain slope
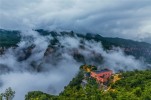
x: 137, y: 49
x: 134, y: 85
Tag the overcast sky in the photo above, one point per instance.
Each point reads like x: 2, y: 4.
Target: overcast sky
x: 115, y: 18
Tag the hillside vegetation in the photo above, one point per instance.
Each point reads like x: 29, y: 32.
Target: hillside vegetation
x: 134, y: 85
x: 137, y: 49
x: 9, y: 38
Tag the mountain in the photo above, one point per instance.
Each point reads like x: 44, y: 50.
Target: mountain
x: 58, y: 55
x: 137, y: 49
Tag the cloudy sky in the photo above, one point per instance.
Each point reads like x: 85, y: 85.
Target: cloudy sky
x: 115, y: 18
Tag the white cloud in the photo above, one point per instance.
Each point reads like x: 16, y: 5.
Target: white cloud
x: 126, y: 18
x: 52, y: 72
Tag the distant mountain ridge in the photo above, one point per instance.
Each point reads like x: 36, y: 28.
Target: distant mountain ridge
x: 135, y: 48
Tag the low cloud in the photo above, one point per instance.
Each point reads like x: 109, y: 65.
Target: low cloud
x: 50, y: 73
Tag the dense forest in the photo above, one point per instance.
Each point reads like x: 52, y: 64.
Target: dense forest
x: 134, y: 85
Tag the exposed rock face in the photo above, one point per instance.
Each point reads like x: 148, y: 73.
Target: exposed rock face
x: 137, y: 49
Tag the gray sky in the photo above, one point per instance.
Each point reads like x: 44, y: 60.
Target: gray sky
x: 115, y: 18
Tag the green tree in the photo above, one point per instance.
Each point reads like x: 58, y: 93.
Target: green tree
x: 8, y: 95
x: 1, y: 96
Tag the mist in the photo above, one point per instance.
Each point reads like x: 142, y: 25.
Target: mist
x: 33, y: 67
x: 126, y: 19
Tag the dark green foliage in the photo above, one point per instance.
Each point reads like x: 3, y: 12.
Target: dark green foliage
x: 44, y: 32
x: 7, y: 95
x: 9, y: 38
x: 77, y: 80
x: 38, y: 95
x: 79, y: 57
x: 134, y: 85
